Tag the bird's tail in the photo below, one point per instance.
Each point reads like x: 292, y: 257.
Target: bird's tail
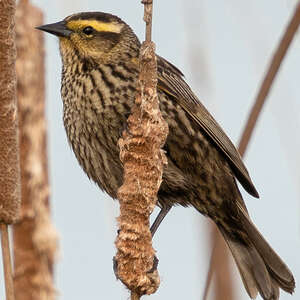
x: 261, y: 269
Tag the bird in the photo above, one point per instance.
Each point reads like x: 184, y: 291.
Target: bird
x: 100, y: 69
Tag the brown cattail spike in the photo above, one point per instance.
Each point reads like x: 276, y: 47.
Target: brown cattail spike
x: 143, y: 160
x: 9, y: 159
x: 35, y: 240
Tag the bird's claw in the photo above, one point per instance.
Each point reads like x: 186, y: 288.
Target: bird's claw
x: 155, y: 264
x: 115, y: 267
x: 152, y: 270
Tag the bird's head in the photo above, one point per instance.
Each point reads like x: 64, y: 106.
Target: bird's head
x: 95, y: 35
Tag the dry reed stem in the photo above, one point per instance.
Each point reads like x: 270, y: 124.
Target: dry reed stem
x: 219, y: 264
x: 269, y: 79
x: 35, y: 240
x: 9, y: 285
x: 261, y: 97
x: 143, y: 160
x: 134, y: 296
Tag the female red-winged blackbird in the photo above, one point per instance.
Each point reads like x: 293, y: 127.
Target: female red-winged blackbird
x: 99, y: 81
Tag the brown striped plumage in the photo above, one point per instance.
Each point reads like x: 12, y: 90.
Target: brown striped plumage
x: 99, y: 79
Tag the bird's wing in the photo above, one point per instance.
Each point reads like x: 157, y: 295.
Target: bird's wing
x: 170, y: 80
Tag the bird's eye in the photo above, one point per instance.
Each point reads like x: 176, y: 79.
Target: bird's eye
x: 88, y: 30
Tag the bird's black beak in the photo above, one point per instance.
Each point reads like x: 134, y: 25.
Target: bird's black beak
x: 58, y: 29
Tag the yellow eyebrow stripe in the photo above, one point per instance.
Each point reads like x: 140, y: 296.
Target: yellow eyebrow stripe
x: 97, y: 25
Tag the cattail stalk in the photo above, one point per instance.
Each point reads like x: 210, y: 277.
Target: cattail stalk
x: 34, y: 236
x: 143, y: 160
x: 9, y: 156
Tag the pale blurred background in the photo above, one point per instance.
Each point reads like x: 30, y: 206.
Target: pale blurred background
x: 223, y: 48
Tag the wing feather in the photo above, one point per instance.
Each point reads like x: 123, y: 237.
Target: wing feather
x: 170, y: 80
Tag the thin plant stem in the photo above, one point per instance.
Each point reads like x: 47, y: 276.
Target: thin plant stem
x: 269, y: 79
x: 9, y: 286
x: 148, y: 8
x: 135, y: 296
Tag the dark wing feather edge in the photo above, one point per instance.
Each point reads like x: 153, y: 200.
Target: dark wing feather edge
x: 170, y: 80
